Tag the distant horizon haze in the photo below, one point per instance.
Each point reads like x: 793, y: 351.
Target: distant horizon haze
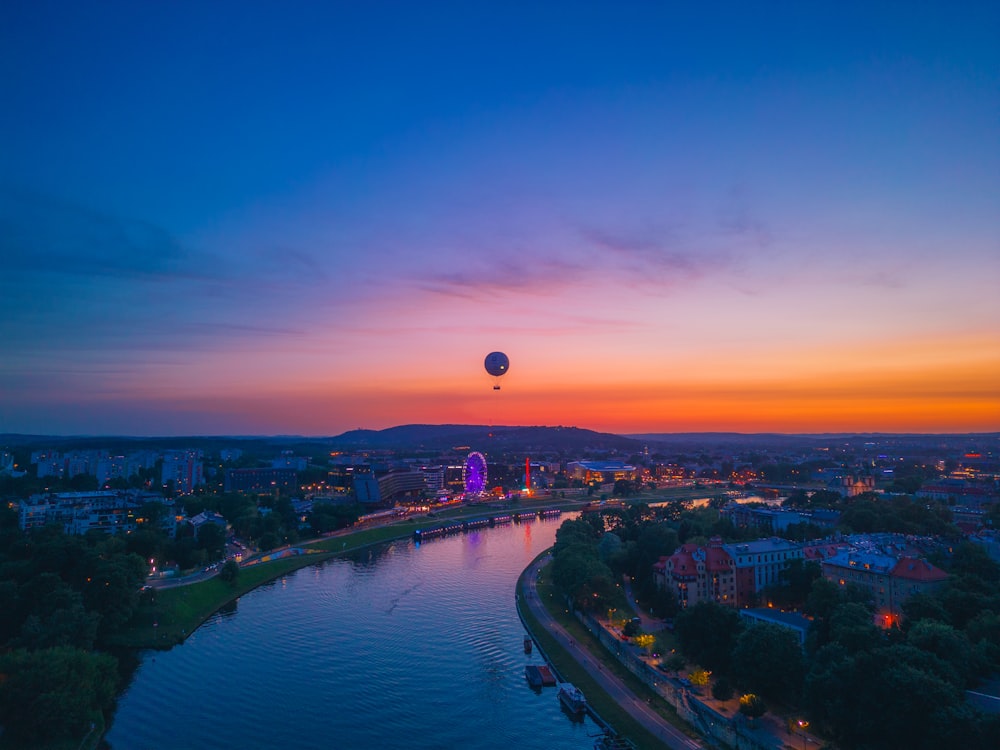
x: 281, y: 436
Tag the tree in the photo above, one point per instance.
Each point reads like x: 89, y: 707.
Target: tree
x: 950, y: 645
x: 972, y: 560
x: 923, y: 606
x: 768, y: 660
x: 722, y: 690
x: 645, y: 641
x: 699, y: 678
x: 609, y: 546
x: 674, y: 663
x: 112, y: 589
x: 825, y: 597
x: 655, y: 540
x: 52, y: 614
x: 269, y: 540
x: 576, y: 532
x: 707, y: 634
x: 983, y: 632
x: 230, y: 572
x: 327, y: 517
x: 798, y: 577
x: 851, y: 626
x: 212, y: 539
x: 54, y: 693
x: 583, y: 577
x: 752, y: 706
x: 625, y: 487
x: 895, y: 696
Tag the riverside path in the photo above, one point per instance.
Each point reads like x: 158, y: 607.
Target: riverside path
x: 611, y: 684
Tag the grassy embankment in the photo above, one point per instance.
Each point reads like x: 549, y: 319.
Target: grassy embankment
x: 177, y: 612
x: 573, y: 672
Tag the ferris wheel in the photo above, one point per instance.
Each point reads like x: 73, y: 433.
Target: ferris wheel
x: 474, y: 473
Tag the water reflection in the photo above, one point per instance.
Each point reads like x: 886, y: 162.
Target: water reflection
x: 394, y: 645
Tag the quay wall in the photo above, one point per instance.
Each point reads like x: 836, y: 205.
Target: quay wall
x: 734, y: 732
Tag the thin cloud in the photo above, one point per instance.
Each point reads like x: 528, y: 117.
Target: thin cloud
x: 737, y: 221
x: 642, y: 259
x: 555, y: 324
x: 879, y: 278
x: 504, y: 275
x: 291, y: 264
x: 41, y: 235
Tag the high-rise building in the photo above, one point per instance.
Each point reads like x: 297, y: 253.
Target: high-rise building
x: 184, y: 469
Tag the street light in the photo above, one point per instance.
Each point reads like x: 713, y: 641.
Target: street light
x: 803, y: 726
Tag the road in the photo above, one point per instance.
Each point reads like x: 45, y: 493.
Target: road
x: 611, y: 684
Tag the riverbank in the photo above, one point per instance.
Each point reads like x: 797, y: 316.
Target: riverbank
x: 617, y: 697
x: 172, y: 614
x: 178, y: 611
x: 431, y: 627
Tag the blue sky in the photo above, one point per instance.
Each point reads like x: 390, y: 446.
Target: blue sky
x: 250, y: 217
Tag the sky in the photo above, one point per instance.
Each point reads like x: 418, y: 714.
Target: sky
x: 238, y: 218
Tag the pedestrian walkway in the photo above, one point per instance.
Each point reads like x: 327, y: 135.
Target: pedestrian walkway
x: 712, y: 718
x: 635, y: 705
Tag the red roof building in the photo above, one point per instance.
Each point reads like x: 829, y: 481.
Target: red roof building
x: 697, y: 574
x: 890, y: 580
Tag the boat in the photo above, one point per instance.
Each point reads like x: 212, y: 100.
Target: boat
x: 572, y: 699
x: 539, y: 675
x: 611, y: 741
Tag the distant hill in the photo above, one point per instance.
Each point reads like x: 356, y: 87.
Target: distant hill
x: 483, y: 437
x: 570, y: 441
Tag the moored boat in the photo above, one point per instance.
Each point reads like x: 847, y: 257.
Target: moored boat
x: 539, y: 675
x: 572, y: 699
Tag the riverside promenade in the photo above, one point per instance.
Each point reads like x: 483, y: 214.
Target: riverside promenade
x: 635, y: 705
x: 718, y: 722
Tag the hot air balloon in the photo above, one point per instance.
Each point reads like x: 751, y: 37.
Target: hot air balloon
x: 497, y: 365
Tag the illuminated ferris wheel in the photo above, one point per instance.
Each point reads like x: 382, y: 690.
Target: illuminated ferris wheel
x: 474, y: 473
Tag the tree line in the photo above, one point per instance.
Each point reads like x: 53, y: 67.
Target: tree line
x: 858, y: 685
x: 64, y: 598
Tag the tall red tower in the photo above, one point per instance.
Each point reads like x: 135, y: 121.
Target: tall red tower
x: 527, y: 474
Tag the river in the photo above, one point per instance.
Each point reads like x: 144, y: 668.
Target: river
x: 409, y: 646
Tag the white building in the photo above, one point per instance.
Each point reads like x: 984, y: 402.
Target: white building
x: 184, y: 469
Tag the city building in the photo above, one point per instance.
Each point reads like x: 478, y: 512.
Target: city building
x: 110, y: 511
x: 433, y: 478
x: 959, y: 491
x: 600, y: 471
x: 696, y: 574
x: 111, y: 467
x: 184, y: 469
x: 891, y: 580
x: 287, y: 460
x: 366, y: 490
x: 759, y: 564
x: 849, y: 486
x: 775, y: 520
x: 401, y: 485
x: 260, y: 480
x: 207, y: 516
x: 7, y: 465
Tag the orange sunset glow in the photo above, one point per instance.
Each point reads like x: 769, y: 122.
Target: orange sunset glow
x: 665, y: 228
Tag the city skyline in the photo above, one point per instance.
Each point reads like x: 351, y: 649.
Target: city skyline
x: 246, y: 219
